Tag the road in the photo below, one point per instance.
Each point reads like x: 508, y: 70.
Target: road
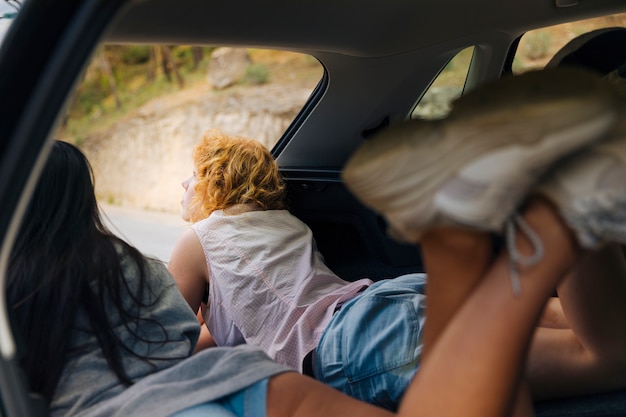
x: 152, y: 233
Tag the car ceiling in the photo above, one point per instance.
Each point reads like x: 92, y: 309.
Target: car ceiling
x: 360, y: 28
x: 370, y: 49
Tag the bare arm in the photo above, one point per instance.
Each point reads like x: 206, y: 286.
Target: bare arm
x: 205, y: 340
x: 189, y: 268
x: 292, y: 394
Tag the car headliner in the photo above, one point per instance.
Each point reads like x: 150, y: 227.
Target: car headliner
x: 369, y: 28
x: 369, y: 48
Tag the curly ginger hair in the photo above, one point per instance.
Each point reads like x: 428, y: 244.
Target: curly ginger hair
x: 235, y: 170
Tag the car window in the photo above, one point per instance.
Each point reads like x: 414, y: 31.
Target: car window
x: 8, y: 12
x: 140, y: 109
x: 537, y: 47
x: 435, y: 103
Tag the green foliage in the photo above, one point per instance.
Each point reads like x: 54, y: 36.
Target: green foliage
x: 257, y: 74
x: 135, y: 54
x: 183, y: 54
x: 89, y: 97
x: 135, y: 77
x: 311, y: 60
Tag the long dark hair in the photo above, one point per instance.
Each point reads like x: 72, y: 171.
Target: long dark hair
x: 65, y: 259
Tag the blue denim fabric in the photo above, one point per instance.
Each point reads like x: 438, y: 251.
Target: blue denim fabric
x: 371, y: 348
x: 249, y: 402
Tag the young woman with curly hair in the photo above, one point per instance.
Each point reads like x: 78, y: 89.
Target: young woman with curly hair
x: 253, y: 272
x: 267, y: 284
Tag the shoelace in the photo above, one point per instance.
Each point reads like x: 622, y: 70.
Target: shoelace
x: 515, y: 257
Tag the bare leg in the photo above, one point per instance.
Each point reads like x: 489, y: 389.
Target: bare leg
x: 492, y: 331
x: 464, y: 257
x: 590, y: 355
x: 553, y: 316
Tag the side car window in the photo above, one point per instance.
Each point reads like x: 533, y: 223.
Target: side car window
x: 448, y: 86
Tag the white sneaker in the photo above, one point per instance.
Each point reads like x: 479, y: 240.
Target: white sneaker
x: 475, y: 167
x: 589, y: 189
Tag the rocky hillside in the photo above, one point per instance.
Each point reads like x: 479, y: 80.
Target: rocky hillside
x: 142, y: 158
x: 141, y: 161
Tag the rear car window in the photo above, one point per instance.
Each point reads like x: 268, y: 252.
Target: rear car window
x: 537, y: 47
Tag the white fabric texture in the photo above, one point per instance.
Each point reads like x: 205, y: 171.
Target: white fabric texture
x: 268, y: 285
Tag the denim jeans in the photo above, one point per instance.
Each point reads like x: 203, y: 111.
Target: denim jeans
x: 371, y: 348
x: 249, y: 402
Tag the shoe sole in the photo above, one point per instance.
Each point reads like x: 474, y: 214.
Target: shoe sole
x: 413, y: 173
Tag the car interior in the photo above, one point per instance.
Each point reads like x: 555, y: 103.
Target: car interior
x: 380, y: 62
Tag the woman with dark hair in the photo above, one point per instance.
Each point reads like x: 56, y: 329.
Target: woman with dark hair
x: 56, y: 253
x: 94, y: 314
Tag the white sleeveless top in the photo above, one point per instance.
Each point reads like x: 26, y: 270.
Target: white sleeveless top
x: 268, y: 285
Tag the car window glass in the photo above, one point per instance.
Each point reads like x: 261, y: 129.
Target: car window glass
x: 435, y: 104
x: 8, y: 12
x: 139, y: 110
x: 537, y: 47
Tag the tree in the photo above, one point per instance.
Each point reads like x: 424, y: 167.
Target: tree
x: 106, y: 69
x: 169, y: 65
